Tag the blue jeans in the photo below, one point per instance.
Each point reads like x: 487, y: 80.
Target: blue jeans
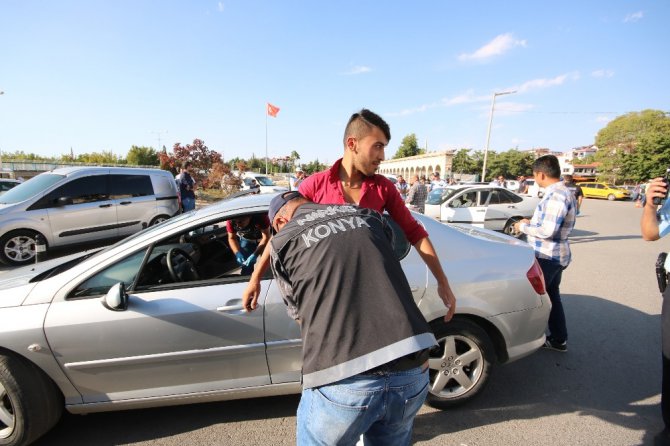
x: 553, y: 273
x: 379, y: 406
x: 188, y: 204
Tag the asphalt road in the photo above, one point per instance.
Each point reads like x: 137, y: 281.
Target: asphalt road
x: 603, y: 391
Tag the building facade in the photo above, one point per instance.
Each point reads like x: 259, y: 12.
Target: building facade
x: 425, y: 164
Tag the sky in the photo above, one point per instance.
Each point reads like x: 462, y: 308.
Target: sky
x: 91, y: 76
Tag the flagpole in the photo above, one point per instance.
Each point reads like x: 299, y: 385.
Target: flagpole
x: 266, y: 139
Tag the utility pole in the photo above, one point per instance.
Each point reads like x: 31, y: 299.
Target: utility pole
x: 158, y: 133
x: 488, y: 133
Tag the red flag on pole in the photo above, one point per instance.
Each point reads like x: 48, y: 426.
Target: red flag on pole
x: 272, y: 110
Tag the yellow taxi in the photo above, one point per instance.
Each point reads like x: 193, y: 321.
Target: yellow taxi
x: 603, y: 190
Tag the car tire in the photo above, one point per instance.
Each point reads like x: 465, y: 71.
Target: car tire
x: 611, y: 197
x: 460, y: 365
x: 30, y: 403
x: 18, y: 247
x: 509, y: 227
x: 158, y: 219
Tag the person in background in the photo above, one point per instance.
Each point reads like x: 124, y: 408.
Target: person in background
x: 295, y: 181
x: 254, y: 186
x: 416, y: 197
x: 547, y: 232
x: 248, y: 236
x: 359, y: 378
x: 353, y: 180
x: 654, y: 225
x: 523, y: 185
x: 402, y: 187
x: 186, y: 185
x: 500, y: 181
x: 436, y: 181
x: 576, y: 190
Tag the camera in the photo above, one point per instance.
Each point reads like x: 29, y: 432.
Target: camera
x: 666, y: 180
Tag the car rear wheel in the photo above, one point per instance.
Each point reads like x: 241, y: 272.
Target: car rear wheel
x: 611, y: 197
x: 159, y: 219
x: 509, y: 227
x: 30, y: 404
x: 18, y: 247
x: 460, y: 364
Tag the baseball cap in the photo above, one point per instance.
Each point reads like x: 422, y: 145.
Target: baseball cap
x: 279, y: 201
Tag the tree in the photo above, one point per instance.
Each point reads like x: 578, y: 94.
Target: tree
x: 104, y: 157
x: 461, y: 162
x: 294, y: 157
x: 408, y: 147
x: 201, y: 157
x: 651, y: 158
x: 142, y: 156
x: 625, y: 132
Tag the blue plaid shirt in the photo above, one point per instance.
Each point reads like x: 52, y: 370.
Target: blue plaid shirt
x: 551, y: 224
x: 664, y: 219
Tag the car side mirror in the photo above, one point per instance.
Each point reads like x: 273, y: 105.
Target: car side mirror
x: 116, y: 298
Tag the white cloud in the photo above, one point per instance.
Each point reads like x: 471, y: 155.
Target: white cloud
x: 510, y: 108
x: 360, y: 69
x: 545, y: 83
x: 602, y: 73
x: 634, y: 17
x: 464, y: 98
x: 496, y: 47
x: 220, y: 6
x: 603, y: 119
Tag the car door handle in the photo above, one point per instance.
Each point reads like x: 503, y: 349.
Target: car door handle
x: 105, y: 205
x: 481, y: 210
x: 126, y: 202
x: 230, y: 308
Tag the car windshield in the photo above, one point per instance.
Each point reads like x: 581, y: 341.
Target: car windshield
x: 264, y: 181
x: 30, y: 188
x: 440, y: 195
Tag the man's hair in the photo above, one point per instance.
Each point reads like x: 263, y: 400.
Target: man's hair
x: 568, y: 178
x: 361, y: 124
x: 548, y: 165
x: 185, y: 164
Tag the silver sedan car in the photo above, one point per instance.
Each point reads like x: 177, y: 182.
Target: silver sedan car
x: 490, y: 207
x: 157, y: 320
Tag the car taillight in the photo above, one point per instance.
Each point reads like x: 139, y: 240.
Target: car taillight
x: 536, y: 278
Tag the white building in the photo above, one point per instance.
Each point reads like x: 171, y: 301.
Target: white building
x: 426, y: 164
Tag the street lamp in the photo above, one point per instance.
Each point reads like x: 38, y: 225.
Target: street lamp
x: 488, y: 133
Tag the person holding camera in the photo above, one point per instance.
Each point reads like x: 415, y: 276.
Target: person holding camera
x: 654, y: 225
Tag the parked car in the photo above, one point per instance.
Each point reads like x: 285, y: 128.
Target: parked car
x: 534, y: 189
x: 267, y: 186
x: 604, y: 190
x: 7, y: 183
x: 76, y: 205
x: 490, y: 207
x: 157, y: 320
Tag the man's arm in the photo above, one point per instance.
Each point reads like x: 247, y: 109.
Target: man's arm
x: 253, y: 289
x: 265, y: 238
x: 649, y: 222
x: 429, y: 256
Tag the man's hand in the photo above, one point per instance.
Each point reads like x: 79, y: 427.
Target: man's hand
x: 447, y: 296
x: 250, y: 295
x: 250, y: 260
x: 655, y: 189
x: 240, y: 258
x: 517, y: 225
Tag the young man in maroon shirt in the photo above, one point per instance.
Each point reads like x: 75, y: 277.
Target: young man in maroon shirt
x: 352, y: 179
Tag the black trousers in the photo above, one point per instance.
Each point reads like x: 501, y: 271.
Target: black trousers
x: 665, y: 339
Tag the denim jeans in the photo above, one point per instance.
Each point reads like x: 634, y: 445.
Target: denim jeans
x: 247, y: 247
x: 188, y: 204
x: 553, y: 272
x: 379, y: 406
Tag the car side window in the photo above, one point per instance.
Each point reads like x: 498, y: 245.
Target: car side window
x: 495, y: 197
x: 507, y: 197
x: 82, y: 190
x: 123, y: 271
x: 483, y: 197
x: 128, y: 186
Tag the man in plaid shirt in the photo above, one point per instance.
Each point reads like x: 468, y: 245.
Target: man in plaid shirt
x: 417, y: 195
x: 547, y: 232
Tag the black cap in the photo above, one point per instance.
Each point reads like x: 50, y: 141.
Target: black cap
x: 279, y: 201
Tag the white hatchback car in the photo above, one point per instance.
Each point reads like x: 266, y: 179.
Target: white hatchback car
x: 490, y: 207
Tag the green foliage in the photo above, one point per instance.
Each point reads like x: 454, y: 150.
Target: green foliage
x: 510, y: 164
x: 102, y: 158
x: 408, y: 147
x: 651, y: 159
x: 20, y: 155
x: 142, y: 156
x: 627, y: 130
x: 313, y: 167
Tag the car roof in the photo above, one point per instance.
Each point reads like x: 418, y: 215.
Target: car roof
x: 128, y: 170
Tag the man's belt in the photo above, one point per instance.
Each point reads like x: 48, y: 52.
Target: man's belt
x: 407, y: 362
